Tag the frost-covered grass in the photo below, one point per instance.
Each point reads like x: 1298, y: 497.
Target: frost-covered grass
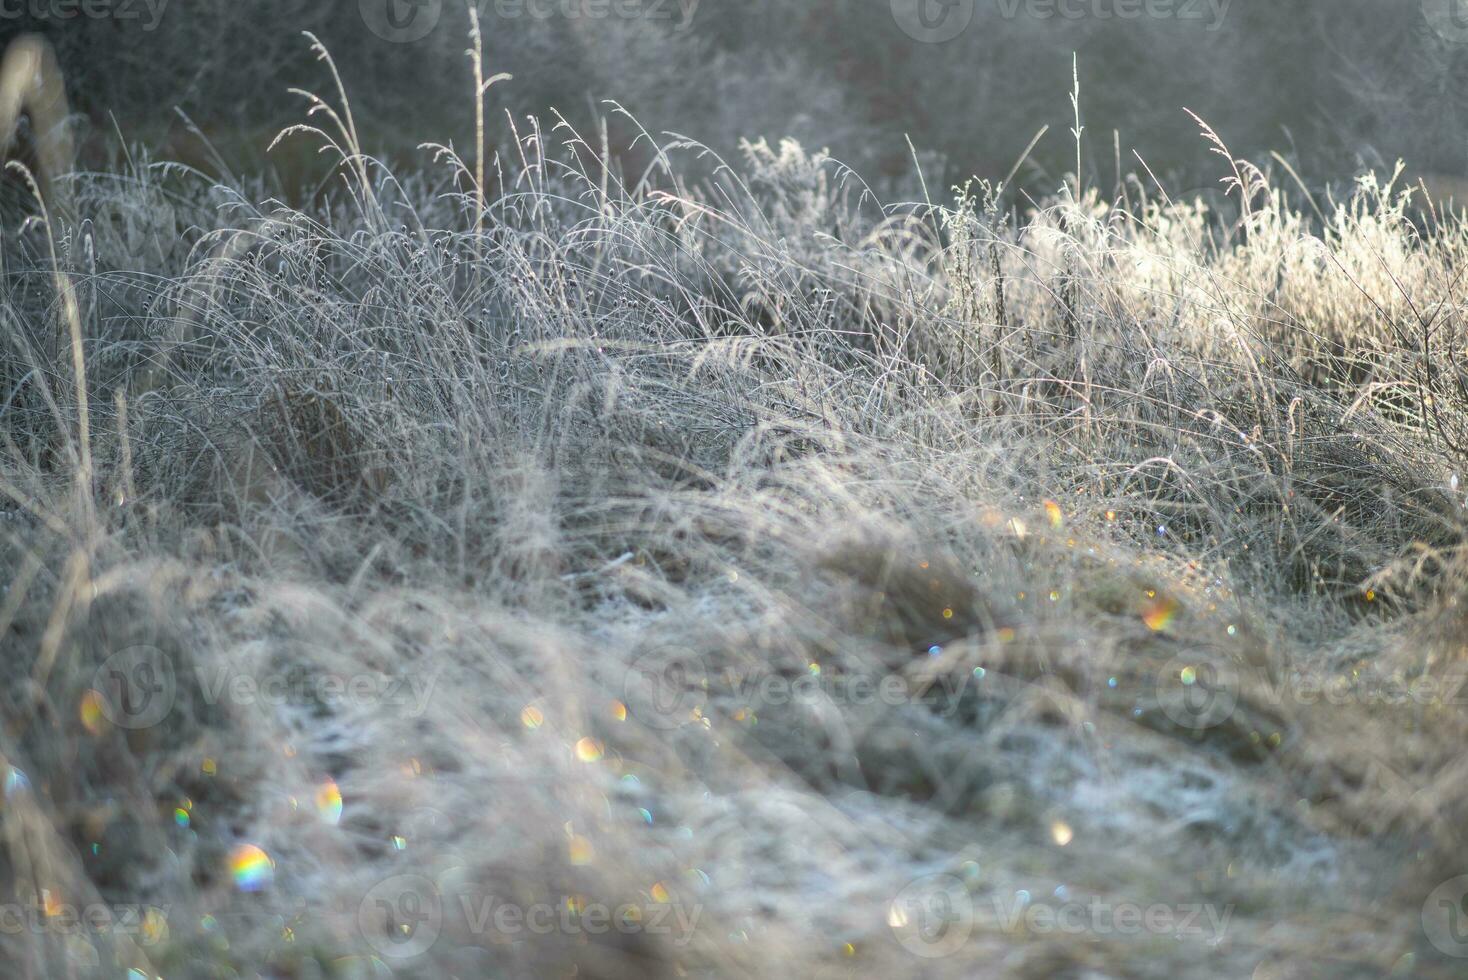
x: 787, y: 573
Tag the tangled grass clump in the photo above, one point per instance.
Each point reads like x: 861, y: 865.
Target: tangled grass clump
x: 541, y: 557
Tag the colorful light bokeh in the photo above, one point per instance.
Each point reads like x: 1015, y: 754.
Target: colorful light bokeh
x: 16, y: 782
x: 329, y: 802
x: 251, y: 868
x: 1159, y: 613
x: 90, y: 711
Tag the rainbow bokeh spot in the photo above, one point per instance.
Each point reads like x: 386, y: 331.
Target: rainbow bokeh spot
x: 251, y: 867
x: 15, y: 782
x: 590, y: 749
x: 50, y: 902
x: 329, y: 802
x: 154, y: 927
x: 90, y: 711
x: 1159, y: 613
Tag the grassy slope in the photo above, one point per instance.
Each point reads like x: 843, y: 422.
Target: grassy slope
x: 671, y: 448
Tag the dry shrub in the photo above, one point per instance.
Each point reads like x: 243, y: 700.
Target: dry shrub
x: 633, y: 547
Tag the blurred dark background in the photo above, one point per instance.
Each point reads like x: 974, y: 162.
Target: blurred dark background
x: 1336, y: 84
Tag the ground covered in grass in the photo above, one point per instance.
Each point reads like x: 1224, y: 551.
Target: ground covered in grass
x: 654, y: 577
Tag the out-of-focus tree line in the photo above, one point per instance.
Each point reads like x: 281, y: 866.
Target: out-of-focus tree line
x: 1336, y: 84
